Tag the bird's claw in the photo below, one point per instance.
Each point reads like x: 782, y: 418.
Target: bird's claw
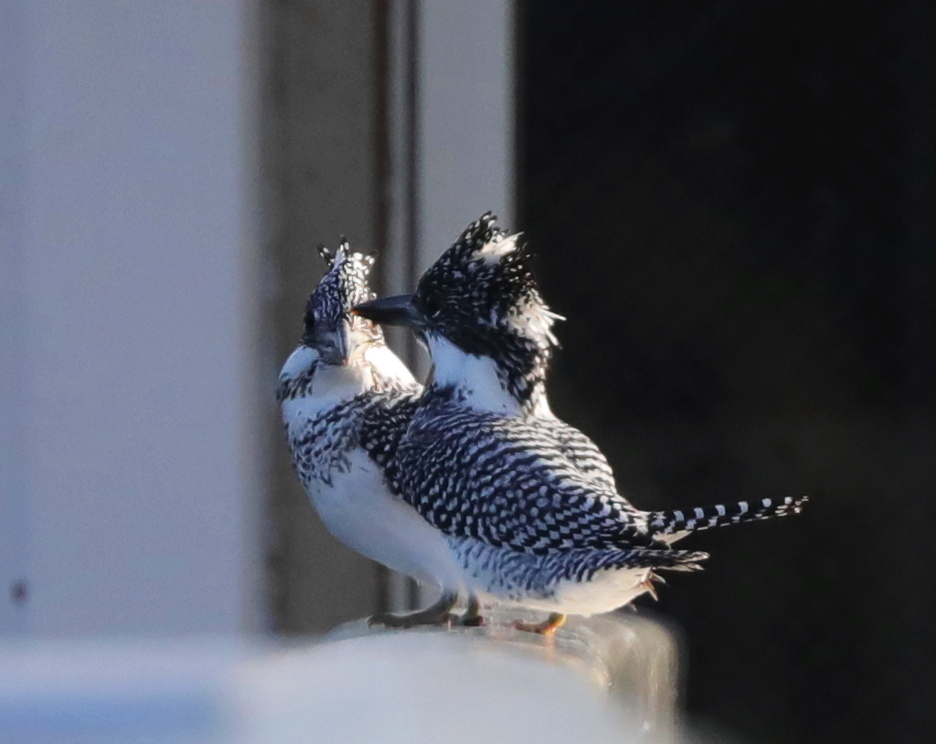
x: 648, y: 584
x: 412, y: 620
x: 473, y: 618
x: 548, y: 627
x: 438, y: 614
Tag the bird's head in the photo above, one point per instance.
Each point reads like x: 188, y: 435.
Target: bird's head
x: 329, y: 328
x: 481, y: 299
x: 331, y: 334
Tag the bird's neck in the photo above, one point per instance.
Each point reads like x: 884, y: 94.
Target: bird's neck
x: 485, y: 384
x: 319, y: 389
x: 308, y: 387
x: 388, y: 370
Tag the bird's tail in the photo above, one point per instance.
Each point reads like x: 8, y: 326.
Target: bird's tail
x: 657, y: 558
x: 719, y: 515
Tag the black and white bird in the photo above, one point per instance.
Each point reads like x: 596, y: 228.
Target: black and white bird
x: 528, y: 504
x: 346, y: 400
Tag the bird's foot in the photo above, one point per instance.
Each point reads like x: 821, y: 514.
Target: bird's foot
x: 412, y: 619
x: 547, y: 628
x: 472, y: 618
x: 438, y: 614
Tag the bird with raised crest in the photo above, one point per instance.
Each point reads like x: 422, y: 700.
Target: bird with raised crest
x: 346, y: 400
x: 528, y: 504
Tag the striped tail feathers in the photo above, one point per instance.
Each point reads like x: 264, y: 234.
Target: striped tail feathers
x: 661, y: 523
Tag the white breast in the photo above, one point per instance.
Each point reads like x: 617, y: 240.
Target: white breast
x: 359, y: 510
x: 356, y: 506
x: 331, y: 386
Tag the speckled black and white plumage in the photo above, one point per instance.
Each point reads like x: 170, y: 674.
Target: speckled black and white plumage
x: 528, y: 504
x: 373, y: 421
x: 529, y: 508
x: 511, y: 481
x: 481, y: 296
x: 346, y: 401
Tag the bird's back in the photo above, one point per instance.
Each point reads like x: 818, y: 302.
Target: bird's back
x: 533, y: 485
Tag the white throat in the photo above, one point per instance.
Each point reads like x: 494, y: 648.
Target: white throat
x: 331, y: 386
x: 475, y: 379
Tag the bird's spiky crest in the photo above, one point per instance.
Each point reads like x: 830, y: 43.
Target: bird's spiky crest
x: 344, y: 285
x: 487, y: 271
x: 481, y: 294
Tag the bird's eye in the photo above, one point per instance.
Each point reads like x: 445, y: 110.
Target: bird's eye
x: 432, y: 304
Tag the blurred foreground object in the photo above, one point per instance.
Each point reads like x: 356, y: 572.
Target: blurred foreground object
x: 608, y: 679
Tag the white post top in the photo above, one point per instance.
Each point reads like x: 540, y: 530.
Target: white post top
x: 608, y: 679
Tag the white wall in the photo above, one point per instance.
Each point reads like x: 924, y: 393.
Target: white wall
x: 131, y: 460
x: 14, y: 515
x: 466, y: 122
x: 130, y: 466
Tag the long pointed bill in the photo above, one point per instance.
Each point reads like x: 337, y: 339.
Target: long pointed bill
x: 396, y: 310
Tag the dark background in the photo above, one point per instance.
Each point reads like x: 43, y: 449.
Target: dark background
x: 734, y: 203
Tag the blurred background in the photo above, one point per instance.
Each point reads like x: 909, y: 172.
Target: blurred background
x: 732, y: 203
x: 735, y: 206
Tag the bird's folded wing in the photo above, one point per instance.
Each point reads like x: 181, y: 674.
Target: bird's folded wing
x: 581, y: 452
x: 507, y: 482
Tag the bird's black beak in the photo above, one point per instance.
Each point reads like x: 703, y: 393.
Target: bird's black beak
x: 397, y: 310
